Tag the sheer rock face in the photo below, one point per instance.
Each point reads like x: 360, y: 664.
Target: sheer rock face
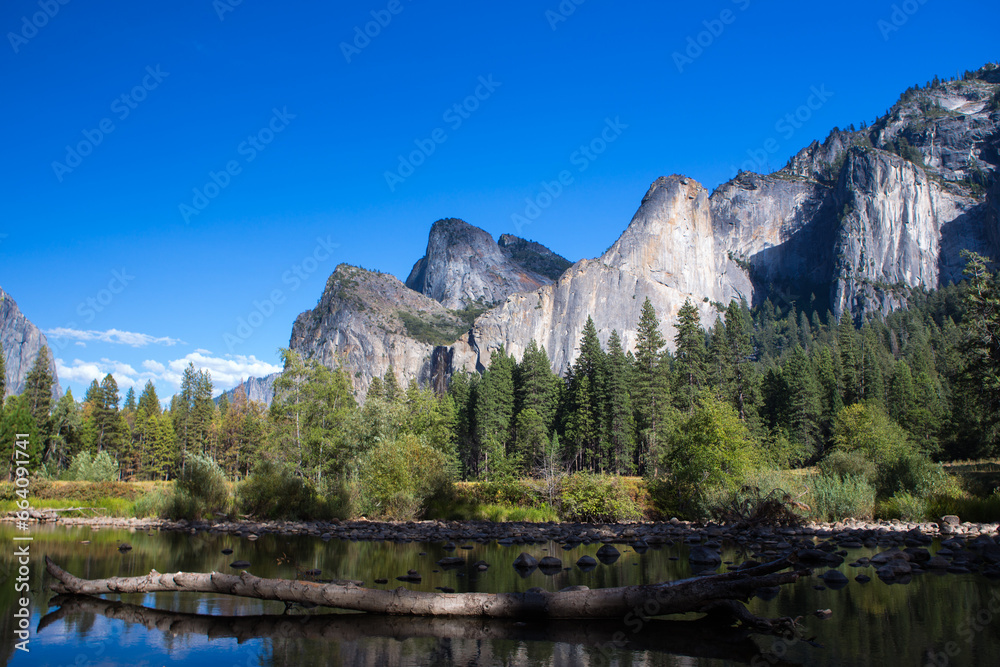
x: 464, y: 266
x: 855, y: 222
x: 21, y: 342
x: 258, y: 390
x: 668, y: 253
x: 367, y: 321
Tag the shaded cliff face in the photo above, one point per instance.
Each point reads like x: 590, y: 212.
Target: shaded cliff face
x: 464, y: 266
x: 21, y: 342
x: 367, y: 321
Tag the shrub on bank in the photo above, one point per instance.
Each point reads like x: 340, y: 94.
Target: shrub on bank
x: 399, y: 477
x: 85, y: 468
x: 903, y: 506
x: 201, y: 490
x: 596, y: 498
x: 832, y: 498
x: 273, y: 491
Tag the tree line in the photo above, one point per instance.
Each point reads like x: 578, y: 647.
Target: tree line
x: 786, y: 373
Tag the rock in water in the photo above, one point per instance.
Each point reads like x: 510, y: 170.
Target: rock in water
x: 525, y: 561
x: 240, y: 563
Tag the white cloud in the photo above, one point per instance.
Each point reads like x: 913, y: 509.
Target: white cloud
x: 86, y: 371
x: 113, y: 336
x: 154, y: 366
x: 226, y: 372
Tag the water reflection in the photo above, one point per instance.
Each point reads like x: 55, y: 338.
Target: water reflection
x: 872, y: 624
x: 698, y: 639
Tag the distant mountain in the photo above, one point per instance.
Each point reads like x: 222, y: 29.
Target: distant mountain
x: 258, y: 390
x: 852, y: 225
x: 465, y: 267
x: 21, y: 341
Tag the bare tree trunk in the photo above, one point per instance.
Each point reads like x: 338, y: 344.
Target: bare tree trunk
x: 717, y: 594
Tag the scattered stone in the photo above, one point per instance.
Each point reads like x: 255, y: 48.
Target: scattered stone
x: 381, y: 581
x: 862, y: 578
x: 823, y: 614
x: 451, y: 561
x: 124, y: 546
x: 227, y: 551
x: 550, y: 565
x: 835, y: 579
x: 240, y: 563
x: 704, y: 556
x: 525, y: 561
x: 313, y: 573
x: 445, y: 589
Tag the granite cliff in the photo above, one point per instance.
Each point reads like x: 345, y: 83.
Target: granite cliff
x: 851, y: 224
x: 21, y: 341
x: 465, y: 267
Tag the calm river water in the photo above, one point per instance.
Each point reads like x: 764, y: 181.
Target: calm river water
x: 934, y: 620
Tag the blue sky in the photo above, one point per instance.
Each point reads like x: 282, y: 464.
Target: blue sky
x: 174, y: 168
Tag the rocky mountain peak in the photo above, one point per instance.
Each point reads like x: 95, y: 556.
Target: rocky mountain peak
x: 464, y: 266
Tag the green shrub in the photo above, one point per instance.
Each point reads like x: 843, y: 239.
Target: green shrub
x: 273, y: 491
x: 100, y: 468
x: 911, y: 473
x: 400, y: 476
x: 832, y: 497
x: 201, y: 490
x: 844, y: 463
x: 7, y: 491
x: 903, y: 506
x: 152, y: 504
x: 968, y: 508
x: 596, y: 498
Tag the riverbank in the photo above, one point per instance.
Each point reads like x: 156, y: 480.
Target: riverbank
x: 868, y: 533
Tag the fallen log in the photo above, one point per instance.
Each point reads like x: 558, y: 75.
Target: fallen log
x: 719, y: 594
x: 697, y: 639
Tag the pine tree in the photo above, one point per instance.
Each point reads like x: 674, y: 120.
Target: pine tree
x: 620, y: 427
x: 805, y: 408
x: 390, y: 386
x: 495, y: 411
x: 982, y: 343
x: 536, y: 386
x: 17, y: 423
x: 689, y: 357
x: 650, y: 396
x: 129, y: 405
x: 847, y: 347
x: 738, y: 350
x: 65, y: 441
x: 590, y: 365
x: 3, y: 380
x: 38, y: 391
